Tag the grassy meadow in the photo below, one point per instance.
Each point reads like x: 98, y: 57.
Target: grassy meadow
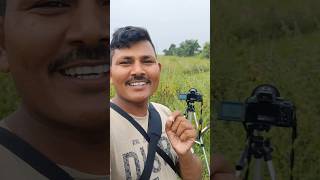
x: 258, y: 42
x: 178, y: 75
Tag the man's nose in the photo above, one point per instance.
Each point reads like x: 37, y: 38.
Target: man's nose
x: 89, y: 25
x: 138, y: 69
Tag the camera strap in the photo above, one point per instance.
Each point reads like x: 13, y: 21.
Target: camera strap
x: 153, y: 136
x: 31, y: 156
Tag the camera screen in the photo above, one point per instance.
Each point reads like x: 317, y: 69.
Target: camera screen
x: 183, y: 96
x: 231, y: 111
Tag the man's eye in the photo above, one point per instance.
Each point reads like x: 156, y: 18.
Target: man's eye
x: 124, y: 62
x: 149, y: 61
x: 51, y: 4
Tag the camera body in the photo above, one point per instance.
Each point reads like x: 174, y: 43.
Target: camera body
x: 264, y: 106
x: 192, y: 96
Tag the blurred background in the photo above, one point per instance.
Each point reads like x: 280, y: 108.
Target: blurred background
x: 274, y: 42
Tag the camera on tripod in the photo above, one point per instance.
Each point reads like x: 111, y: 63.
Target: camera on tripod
x: 192, y: 96
x: 263, y: 109
x: 264, y: 106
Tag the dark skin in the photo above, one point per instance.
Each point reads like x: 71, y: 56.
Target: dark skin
x: 63, y: 117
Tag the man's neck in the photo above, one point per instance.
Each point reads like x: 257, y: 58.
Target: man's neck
x: 78, y: 149
x: 134, y: 108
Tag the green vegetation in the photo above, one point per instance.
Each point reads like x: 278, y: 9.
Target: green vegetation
x: 188, y: 48
x: 178, y: 76
x: 9, y: 99
x: 205, y: 53
x: 274, y: 42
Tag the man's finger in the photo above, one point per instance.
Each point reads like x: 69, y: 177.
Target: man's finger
x: 188, y: 134
x: 171, y: 119
x: 185, y: 124
x: 174, y: 115
x: 176, y: 124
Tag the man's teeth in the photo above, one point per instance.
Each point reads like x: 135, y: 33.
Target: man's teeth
x: 137, y: 84
x: 87, y: 72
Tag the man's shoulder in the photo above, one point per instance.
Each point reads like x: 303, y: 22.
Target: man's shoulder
x: 163, y: 110
x: 161, y: 107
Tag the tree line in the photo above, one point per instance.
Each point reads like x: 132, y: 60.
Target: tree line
x: 188, y: 48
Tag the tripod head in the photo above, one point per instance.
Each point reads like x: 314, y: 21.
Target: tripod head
x: 252, y: 128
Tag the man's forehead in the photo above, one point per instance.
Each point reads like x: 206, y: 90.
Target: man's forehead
x: 140, y: 50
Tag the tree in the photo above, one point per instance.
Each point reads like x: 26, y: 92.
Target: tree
x: 171, y: 51
x: 206, y: 50
x: 189, y: 48
x: 186, y: 48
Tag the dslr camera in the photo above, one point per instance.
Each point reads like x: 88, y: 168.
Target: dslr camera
x: 264, y: 106
x: 192, y: 96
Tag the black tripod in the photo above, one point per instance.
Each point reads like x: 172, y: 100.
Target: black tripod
x: 190, y: 114
x: 259, y: 148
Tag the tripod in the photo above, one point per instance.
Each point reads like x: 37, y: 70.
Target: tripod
x: 259, y: 148
x: 190, y: 114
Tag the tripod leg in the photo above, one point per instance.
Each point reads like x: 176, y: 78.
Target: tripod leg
x: 205, y: 155
x: 268, y: 159
x: 192, y: 116
x: 242, y: 161
x: 195, y: 119
x: 257, y: 174
x: 272, y: 172
x: 204, y: 130
x: 246, y: 176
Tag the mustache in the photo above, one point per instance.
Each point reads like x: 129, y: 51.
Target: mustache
x: 99, y: 52
x: 139, y: 78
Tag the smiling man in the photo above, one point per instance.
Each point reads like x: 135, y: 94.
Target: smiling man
x: 57, y: 52
x: 135, y: 74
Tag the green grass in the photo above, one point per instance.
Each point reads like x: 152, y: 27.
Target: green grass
x: 178, y: 76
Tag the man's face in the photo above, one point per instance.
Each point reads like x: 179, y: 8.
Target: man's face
x: 58, y: 54
x: 135, y: 72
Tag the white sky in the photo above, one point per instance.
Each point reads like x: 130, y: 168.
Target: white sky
x: 168, y: 21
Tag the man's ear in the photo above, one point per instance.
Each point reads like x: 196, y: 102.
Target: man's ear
x: 4, y: 64
x: 159, y: 64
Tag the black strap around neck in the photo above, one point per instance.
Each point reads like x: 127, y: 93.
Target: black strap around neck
x: 153, y: 113
x: 154, y: 132
x: 31, y: 156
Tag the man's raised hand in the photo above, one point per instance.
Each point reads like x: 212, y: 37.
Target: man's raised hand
x: 180, y: 132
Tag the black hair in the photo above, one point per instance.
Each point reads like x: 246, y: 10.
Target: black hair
x: 3, y: 5
x: 125, y: 37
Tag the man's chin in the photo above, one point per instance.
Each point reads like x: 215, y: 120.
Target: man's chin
x: 139, y: 99
x: 87, y: 123
x: 80, y: 119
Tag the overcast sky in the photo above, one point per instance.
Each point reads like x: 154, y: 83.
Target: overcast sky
x: 168, y: 21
